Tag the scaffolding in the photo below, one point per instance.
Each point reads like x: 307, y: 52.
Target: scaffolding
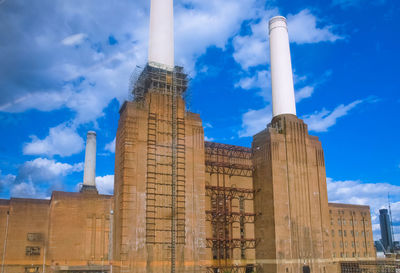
x: 226, y: 161
x: 155, y: 79
x: 165, y: 182
x: 378, y: 266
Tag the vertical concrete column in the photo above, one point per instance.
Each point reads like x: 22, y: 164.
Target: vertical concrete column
x: 89, y: 175
x: 161, y: 42
x: 283, y: 100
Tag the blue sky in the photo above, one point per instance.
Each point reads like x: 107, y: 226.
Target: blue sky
x: 65, y: 69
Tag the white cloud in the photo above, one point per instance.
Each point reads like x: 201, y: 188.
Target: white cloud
x: 207, y: 125
x: 75, y: 39
x: 37, y: 178
x: 323, y: 120
x: 206, y: 138
x: 110, y: 146
x: 85, y: 79
x: 304, y: 93
x: 43, y: 169
x: 201, y: 24
x: 253, y: 49
x: 26, y: 190
x: 105, y: 184
x: 372, y: 194
x: 254, y: 121
x: 6, y: 181
x: 62, y: 140
x: 260, y: 80
x: 303, y: 29
x: 354, y: 3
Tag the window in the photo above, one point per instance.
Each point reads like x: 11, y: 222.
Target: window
x: 351, y: 222
x: 339, y: 222
x: 333, y: 244
x: 344, y: 233
x: 32, y: 251
x: 341, y: 244
x: 345, y: 244
x: 34, y: 237
x: 340, y: 232
x: 352, y: 244
x: 32, y: 269
x: 353, y: 254
x: 334, y: 254
x: 344, y: 222
x: 333, y: 233
x: 352, y: 233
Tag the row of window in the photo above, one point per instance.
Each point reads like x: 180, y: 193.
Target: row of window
x: 353, y: 254
x: 363, y: 213
x: 32, y: 251
x: 351, y: 222
x: 352, y: 233
x: 353, y: 244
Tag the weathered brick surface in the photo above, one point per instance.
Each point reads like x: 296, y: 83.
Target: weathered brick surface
x: 294, y: 224
x: 293, y: 227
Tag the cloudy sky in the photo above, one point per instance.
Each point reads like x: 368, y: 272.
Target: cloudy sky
x: 65, y: 69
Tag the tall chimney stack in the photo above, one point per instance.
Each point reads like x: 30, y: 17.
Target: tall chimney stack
x: 161, y: 43
x: 283, y: 100
x: 89, y: 173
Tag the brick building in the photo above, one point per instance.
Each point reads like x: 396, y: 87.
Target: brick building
x: 181, y: 204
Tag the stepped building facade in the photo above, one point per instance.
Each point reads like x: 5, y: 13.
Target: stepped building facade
x: 182, y: 204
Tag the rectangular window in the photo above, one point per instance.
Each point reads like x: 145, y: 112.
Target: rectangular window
x: 340, y: 232
x: 344, y: 233
x: 32, y: 251
x: 333, y: 233
x: 34, y: 237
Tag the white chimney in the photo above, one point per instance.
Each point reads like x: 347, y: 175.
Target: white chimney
x: 89, y: 174
x: 161, y: 42
x: 283, y: 100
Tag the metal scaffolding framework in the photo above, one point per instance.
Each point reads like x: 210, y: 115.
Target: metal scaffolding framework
x: 155, y: 79
x: 165, y: 184
x: 383, y: 266
x: 225, y: 161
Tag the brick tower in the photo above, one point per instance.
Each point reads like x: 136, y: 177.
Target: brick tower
x: 291, y: 201
x: 159, y: 167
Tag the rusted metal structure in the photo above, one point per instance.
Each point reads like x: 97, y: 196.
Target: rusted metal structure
x: 227, y: 213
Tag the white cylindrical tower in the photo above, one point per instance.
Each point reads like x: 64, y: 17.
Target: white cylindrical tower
x: 89, y: 174
x: 161, y: 41
x: 283, y: 100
